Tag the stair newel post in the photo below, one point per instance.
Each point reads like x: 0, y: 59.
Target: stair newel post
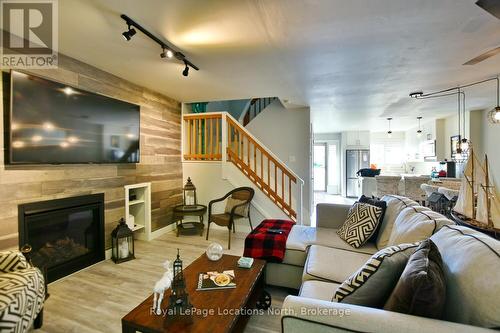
x: 299, y: 184
x: 224, y: 143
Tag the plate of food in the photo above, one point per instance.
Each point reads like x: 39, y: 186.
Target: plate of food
x: 216, y: 280
x: 222, y: 279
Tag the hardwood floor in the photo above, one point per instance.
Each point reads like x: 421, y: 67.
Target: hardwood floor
x: 95, y: 299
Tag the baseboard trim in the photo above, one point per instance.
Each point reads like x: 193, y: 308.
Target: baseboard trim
x: 154, y: 234
x: 162, y: 231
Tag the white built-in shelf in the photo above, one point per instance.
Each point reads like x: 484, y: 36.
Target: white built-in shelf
x: 138, y: 209
x: 137, y: 227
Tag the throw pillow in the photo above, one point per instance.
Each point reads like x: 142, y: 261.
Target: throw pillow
x: 395, y: 204
x: 415, y: 224
x: 377, y: 203
x: 241, y: 211
x: 421, y: 290
x: 373, y: 283
x: 361, y: 222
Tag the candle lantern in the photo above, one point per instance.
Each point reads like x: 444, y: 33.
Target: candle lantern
x: 189, y: 193
x: 122, y: 243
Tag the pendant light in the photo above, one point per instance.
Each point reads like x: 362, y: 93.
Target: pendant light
x: 494, y: 115
x: 389, y: 132
x: 464, y: 144
x: 458, y: 155
x: 419, y: 131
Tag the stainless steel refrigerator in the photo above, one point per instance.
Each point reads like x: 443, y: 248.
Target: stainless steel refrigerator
x: 355, y: 159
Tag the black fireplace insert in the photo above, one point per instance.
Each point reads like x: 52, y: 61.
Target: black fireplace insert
x: 66, y: 235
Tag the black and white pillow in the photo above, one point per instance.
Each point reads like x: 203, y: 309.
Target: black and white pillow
x: 361, y: 223
x: 373, y: 283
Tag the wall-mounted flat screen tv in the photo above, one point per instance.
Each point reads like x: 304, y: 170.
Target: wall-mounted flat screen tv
x: 53, y: 123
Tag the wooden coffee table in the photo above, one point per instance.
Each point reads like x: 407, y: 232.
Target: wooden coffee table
x: 223, y: 303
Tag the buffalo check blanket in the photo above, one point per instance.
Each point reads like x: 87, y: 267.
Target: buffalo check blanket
x: 262, y: 244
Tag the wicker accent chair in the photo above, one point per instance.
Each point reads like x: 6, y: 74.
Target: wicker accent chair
x: 242, y: 196
x: 413, y: 189
x: 387, y: 185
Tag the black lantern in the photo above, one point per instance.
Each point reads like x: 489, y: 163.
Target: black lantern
x: 122, y: 243
x: 189, y: 193
x: 179, y: 305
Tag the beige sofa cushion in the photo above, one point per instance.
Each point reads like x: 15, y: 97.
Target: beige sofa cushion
x: 295, y: 257
x: 318, y: 290
x: 471, y: 264
x: 395, y: 204
x: 332, y: 265
x: 301, y: 237
x: 416, y: 223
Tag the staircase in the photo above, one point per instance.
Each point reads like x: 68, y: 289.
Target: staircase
x: 255, y: 107
x: 218, y: 136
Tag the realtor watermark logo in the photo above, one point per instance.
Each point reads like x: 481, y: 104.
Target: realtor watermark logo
x: 29, y: 38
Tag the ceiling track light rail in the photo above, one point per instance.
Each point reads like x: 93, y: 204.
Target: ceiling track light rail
x: 167, y: 50
x: 448, y: 91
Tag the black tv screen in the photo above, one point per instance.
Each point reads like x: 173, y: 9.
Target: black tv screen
x: 53, y: 123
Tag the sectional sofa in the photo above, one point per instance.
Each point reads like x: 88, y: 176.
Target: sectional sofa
x: 317, y: 261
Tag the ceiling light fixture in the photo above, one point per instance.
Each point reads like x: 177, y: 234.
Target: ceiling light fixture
x: 129, y: 33
x: 166, y: 53
x: 416, y: 94
x: 185, y: 72
x: 389, y: 132
x: 464, y: 143
x: 419, y: 131
x: 168, y: 50
x: 494, y: 114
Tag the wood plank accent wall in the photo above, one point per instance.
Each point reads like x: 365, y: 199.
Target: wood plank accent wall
x: 160, y: 161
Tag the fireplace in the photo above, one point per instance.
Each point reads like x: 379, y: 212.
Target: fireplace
x: 66, y: 235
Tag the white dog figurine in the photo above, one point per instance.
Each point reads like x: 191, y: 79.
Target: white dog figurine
x: 161, y: 285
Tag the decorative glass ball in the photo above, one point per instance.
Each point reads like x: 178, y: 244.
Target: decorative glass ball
x: 215, y: 251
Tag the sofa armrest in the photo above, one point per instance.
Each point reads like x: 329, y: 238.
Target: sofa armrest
x: 331, y: 215
x: 300, y: 314
x: 11, y: 261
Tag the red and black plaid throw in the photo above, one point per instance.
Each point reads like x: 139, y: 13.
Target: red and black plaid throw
x: 262, y: 244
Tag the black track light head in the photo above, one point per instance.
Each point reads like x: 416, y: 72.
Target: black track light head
x: 185, y: 72
x: 163, y: 54
x: 416, y: 94
x: 129, y: 33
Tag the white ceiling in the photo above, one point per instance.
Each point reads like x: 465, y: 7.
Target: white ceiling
x: 354, y: 62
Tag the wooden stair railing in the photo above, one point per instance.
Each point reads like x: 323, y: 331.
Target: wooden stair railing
x: 264, y: 170
x: 203, y: 140
x: 202, y: 135
x: 256, y: 106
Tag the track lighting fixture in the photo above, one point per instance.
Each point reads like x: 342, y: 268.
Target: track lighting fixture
x: 389, y: 132
x: 166, y: 53
x: 493, y: 115
x: 416, y: 94
x: 419, y: 131
x: 129, y: 33
x: 167, y: 50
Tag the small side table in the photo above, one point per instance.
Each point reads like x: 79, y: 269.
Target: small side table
x: 181, y: 211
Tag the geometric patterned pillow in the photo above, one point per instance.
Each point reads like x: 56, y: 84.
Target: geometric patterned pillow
x: 22, y: 294
x: 11, y: 261
x: 361, y: 223
x: 373, y: 283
